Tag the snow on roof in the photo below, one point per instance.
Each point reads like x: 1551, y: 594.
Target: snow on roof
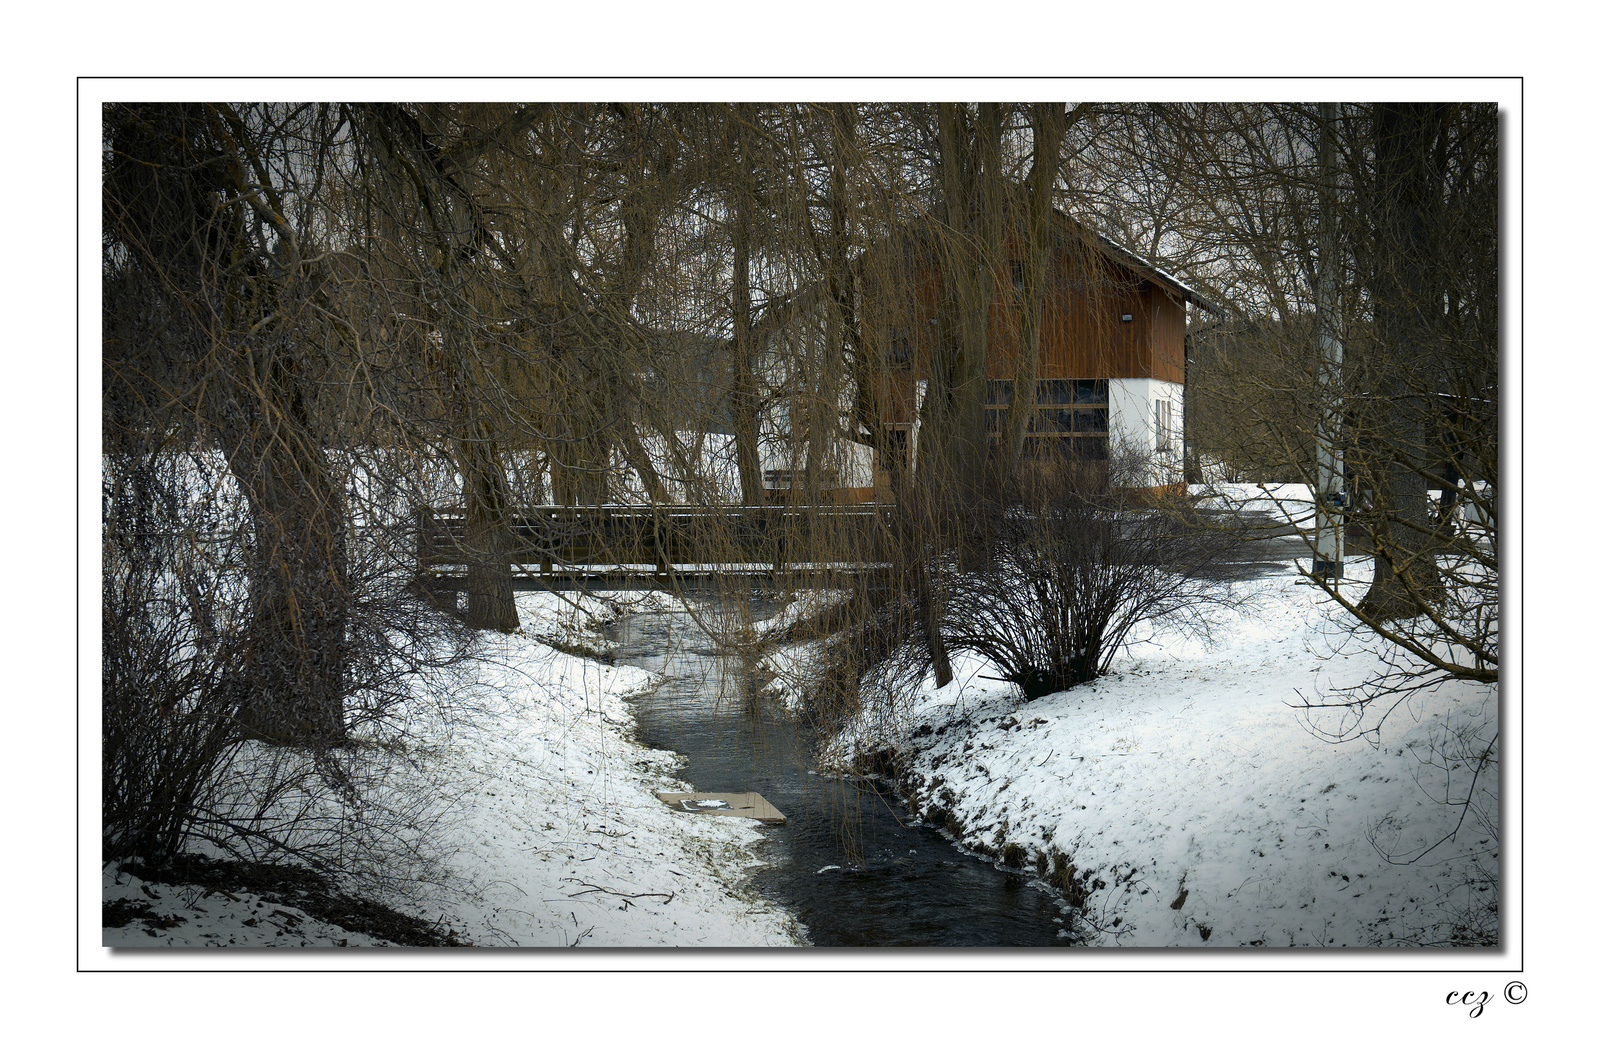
x: 1128, y: 256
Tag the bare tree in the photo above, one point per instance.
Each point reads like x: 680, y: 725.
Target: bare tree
x: 370, y: 310
x: 1414, y: 294
x: 200, y: 226
x: 255, y: 584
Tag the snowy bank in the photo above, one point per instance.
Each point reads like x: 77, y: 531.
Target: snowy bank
x: 1184, y: 801
x: 552, y: 836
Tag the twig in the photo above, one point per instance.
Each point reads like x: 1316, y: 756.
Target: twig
x: 668, y: 896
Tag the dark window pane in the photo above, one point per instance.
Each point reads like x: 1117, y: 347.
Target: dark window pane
x: 1000, y: 391
x: 1089, y: 420
x: 899, y: 346
x: 1055, y: 391
x: 1053, y: 420
x: 1091, y: 391
x: 1091, y: 448
x: 994, y: 419
x: 1041, y: 446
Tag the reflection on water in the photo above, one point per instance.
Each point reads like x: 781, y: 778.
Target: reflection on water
x: 850, y: 863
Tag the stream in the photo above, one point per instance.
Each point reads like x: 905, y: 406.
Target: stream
x: 851, y: 863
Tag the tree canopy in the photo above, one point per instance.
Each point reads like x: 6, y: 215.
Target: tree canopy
x: 321, y: 317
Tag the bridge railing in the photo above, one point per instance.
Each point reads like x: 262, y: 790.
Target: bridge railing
x: 551, y: 546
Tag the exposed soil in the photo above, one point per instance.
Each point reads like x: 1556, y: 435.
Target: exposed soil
x: 284, y: 884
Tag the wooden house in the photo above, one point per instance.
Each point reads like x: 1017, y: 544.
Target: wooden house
x: 1110, y: 371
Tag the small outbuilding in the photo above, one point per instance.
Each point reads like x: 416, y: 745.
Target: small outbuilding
x: 1110, y: 374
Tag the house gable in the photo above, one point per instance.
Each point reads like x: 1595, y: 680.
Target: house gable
x: 1106, y: 314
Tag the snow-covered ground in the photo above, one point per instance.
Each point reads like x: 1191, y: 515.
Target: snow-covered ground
x: 1194, y: 801
x: 554, y: 837
x: 1287, y: 503
x: 1185, y: 790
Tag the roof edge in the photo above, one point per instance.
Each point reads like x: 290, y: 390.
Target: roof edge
x: 1128, y: 257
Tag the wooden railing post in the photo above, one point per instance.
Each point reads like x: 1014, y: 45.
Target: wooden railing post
x: 547, y: 521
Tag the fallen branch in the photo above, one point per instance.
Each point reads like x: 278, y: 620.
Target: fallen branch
x: 668, y: 896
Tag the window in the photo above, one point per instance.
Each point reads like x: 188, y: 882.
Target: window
x: 1091, y: 420
x: 900, y: 347
x: 1163, y: 426
x: 1055, y: 391
x: 1071, y: 417
x: 900, y: 448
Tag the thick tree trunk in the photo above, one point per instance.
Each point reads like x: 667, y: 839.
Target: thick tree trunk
x: 179, y: 195
x: 580, y: 454
x: 957, y: 389
x: 491, y: 601
x: 290, y: 661
x: 634, y: 452
x: 931, y: 600
x: 1405, y: 575
x: 952, y: 458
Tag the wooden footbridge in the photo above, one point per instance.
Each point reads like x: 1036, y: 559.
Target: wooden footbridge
x: 662, y: 547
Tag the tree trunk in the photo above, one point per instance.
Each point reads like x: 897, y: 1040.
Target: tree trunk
x: 1405, y: 572
x: 491, y: 600
x: 969, y: 171
x: 1048, y: 124
x: 580, y: 462
x: 179, y: 194
x: 744, y: 403
x: 290, y: 662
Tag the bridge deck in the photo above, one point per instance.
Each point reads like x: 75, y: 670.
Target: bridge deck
x: 650, y: 548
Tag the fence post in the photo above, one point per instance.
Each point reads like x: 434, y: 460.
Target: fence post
x: 424, y: 516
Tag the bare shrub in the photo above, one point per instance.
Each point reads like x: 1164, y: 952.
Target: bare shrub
x: 182, y: 761
x: 1045, y: 573
x: 167, y: 724
x: 1068, y: 573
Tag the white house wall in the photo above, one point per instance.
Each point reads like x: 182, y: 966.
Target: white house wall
x: 1133, y: 429
x: 848, y: 463
x: 713, y: 474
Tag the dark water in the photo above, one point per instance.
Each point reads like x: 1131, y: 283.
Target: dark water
x: 850, y: 863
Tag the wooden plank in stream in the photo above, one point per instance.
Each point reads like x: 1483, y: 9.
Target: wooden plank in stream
x: 748, y: 804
